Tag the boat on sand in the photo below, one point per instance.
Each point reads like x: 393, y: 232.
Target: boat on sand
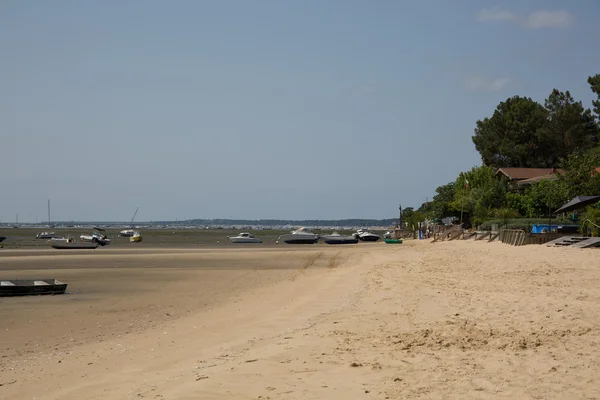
x: 136, y: 237
x: 336, y: 238
x: 244, y: 238
x: 69, y: 243
x: 365, y: 236
x: 29, y: 287
x: 299, y: 236
x: 392, y: 241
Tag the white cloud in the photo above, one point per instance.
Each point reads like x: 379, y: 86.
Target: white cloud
x: 548, y: 19
x: 481, y: 84
x: 496, y: 14
x: 535, y: 20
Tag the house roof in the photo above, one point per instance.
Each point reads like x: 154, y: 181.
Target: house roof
x: 536, y: 179
x: 526, y: 173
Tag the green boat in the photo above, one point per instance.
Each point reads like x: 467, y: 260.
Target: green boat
x: 393, y: 241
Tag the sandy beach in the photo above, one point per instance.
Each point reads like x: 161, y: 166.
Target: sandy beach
x: 371, y: 321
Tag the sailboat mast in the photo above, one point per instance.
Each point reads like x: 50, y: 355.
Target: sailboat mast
x: 49, y: 223
x: 134, y: 214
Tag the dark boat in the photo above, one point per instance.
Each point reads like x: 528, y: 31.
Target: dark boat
x: 31, y: 287
x: 299, y: 236
x: 365, y: 236
x: 2, y: 239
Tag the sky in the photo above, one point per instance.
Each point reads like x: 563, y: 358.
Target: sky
x: 266, y: 108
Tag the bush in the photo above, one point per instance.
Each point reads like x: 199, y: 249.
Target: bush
x: 590, y: 220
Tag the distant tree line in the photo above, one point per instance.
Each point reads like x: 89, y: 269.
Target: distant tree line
x: 286, y: 222
x: 561, y: 133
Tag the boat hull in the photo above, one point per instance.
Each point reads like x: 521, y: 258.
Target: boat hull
x: 368, y: 238
x: 11, y: 288
x: 2, y: 239
x: 74, y: 245
x: 245, y: 240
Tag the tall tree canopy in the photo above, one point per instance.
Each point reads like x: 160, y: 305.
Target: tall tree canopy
x: 509, y: 138
x: 570, y: 128
x: 522, y: 133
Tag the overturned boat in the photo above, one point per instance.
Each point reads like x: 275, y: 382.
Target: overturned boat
x: 336, y: 238
x: 31, y: 287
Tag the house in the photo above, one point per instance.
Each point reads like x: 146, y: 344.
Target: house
x: 526, y: 176
x: 520, y: 174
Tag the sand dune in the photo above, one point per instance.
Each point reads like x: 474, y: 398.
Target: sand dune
x: 419, y: 320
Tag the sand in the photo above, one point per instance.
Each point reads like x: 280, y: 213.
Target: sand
x: 418, y: 320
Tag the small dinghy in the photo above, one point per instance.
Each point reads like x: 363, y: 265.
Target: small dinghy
x: 393, y: 241
x: 31, y: 287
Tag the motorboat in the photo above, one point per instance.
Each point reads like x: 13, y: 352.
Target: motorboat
x: 365, y: 236
x: 136, y: 237
x: 127, y: 233
x: 244, y: 238
x: 299, y: 236
x: 96, y: 237
x: 336, y: 238
x: 29, y: 287
x: 45, y: 235
x: 70, y: 243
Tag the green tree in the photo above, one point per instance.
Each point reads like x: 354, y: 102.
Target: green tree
x: 570, y: 128
x: 580, y: 177
x: 509, y: 138
x: 594, y: 82
x: 478, y: 192
x: 442, y: 202
x: 541, y: 198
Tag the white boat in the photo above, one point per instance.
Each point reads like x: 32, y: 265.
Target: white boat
x: 96, y: 237
x: 69, y: 243
x: 127, y: 233
x: 244, y: 238
x: 45, y: 235
x: 299, y: 236
x: 336, y: 238
x: 365, y: 236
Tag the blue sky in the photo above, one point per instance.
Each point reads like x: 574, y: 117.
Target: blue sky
x: 264, y: 109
